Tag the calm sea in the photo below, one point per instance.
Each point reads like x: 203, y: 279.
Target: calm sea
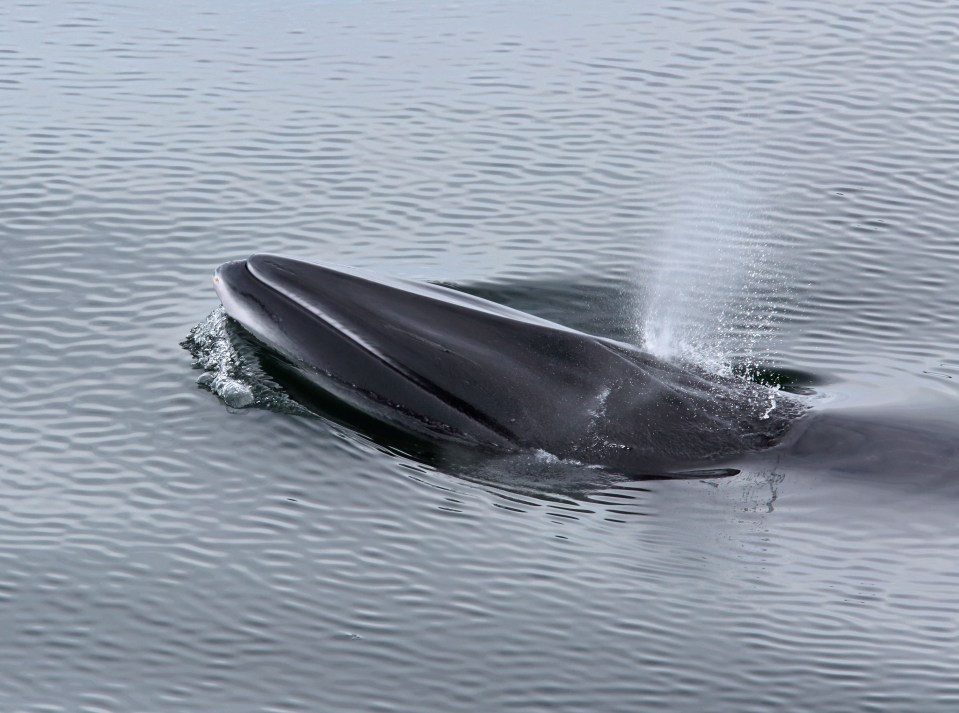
x: 760, y: 181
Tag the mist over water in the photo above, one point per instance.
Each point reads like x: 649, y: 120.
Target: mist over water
x: 713, y: 286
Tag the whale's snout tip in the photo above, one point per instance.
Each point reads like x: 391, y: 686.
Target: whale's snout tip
x: 224, y: 271
x: 224, y: 275
x: 218, y: 278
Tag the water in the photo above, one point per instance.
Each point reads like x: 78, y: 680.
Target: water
x: 163, y: 551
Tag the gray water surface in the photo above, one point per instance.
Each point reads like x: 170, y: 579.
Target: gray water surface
x: 725, y: 181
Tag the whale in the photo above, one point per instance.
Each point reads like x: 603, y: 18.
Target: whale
x: 451, y: 368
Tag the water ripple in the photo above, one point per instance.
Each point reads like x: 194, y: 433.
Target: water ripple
x: 749, y: 179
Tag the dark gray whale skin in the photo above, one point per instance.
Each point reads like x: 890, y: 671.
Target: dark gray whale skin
x: 448, y: 366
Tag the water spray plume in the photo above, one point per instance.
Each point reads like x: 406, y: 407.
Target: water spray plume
x: 712, y: 297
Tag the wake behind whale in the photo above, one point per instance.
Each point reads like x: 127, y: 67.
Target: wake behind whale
x: 447, y: 367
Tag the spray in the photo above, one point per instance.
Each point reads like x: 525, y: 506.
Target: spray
x: 717, y: 285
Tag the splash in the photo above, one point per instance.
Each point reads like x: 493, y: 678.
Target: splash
x: 214, y: 353
x: 231, y: 369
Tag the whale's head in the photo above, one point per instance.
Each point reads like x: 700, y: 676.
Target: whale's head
x: 255, y: 293
x: 390, y: 347
x: 316, y: 313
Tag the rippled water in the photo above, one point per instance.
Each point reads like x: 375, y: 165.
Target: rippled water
x: 735, y: 181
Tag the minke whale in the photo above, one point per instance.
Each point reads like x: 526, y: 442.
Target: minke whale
x: 450, y: 367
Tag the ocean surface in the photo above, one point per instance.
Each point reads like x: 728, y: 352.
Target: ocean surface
x: 760, y: 183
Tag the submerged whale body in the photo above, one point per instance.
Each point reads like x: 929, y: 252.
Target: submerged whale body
x: 447, y: 366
